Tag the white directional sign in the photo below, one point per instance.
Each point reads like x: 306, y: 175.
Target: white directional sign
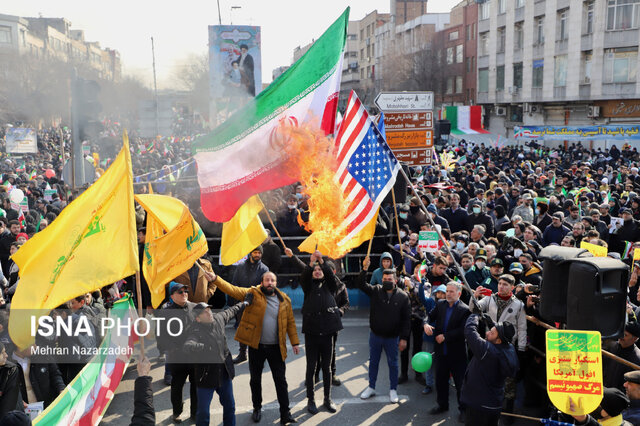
x: 404, y: 101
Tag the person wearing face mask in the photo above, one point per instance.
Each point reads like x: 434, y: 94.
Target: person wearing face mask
x: 416, y: 215
x: 461, y: 241
x: 403, y: 215
x: 480, y: 218
x: 455, y: 216
x: 264, y: 328
x: 479, y: 271
x: 390, y: 324
x: 542, y: 219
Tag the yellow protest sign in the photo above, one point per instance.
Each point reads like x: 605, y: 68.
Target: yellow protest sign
x: 636, y: 254
x: 574, y: 370
x: 596, y: 250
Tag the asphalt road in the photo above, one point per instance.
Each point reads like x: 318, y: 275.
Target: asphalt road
x: 352, y: 364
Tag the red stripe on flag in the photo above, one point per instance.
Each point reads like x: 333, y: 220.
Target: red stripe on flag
x: 361, y: 216
x: 349, y: 187
x: 344, y: 175
x: 354, y: 203
x: 352, y: 137
x: 351, y: 112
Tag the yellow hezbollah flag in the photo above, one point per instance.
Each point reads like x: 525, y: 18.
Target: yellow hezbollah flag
x: 242, y: 233
x: 174, y: 242
x: 91, y: 244
x: 309, y: 244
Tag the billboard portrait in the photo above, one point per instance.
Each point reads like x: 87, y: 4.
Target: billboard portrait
x: 235, y: 66
x: 21, y: 140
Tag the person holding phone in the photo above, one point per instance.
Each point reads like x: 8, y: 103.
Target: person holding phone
x: 504, y: 306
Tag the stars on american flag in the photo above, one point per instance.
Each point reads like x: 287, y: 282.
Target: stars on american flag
x: 373, y: 163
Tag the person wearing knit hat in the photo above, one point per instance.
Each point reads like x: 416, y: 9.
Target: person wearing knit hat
x: 612, y: 371
x: 22, y: 237
x: 494, y: 360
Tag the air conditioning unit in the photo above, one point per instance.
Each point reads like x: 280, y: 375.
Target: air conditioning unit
x: 526, y: 107
x: 593, y: 112
x: 501, y: 111
x: 534, y: 109
x: 586, y: 80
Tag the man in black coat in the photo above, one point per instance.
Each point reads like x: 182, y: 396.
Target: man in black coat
x: 44, y: 379
x: 320, y: 322
x: 390, y: 323
x: 478, y: 217
x: 449, y: 316
x: 143, y: 412
x: 207, y: 347
x: 455, y: 215
x: 178, y: 307
x: 612, y: 371
x: 494, y: 359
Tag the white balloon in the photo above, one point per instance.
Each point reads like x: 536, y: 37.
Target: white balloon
x: 16, y: 195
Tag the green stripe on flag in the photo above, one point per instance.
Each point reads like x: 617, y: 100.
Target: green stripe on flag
x: 293, y: 85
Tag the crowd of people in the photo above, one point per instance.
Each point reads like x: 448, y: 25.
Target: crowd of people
x: 496, y: 210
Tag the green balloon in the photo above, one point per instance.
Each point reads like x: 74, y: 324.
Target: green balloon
x: 421, y: 362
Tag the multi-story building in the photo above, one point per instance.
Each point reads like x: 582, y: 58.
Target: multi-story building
x: 367, y: 54
x: 407, y: 10
x: 52, y: 38
x: 457, y: 44
x: 350, y: 65
x: 558, y: 62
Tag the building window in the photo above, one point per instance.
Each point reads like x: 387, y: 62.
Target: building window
x: 449, y: 55
x: 483, y: 80
x: 362, y: 54
x: 500, y: 77
x: 623, y: 14
x: 588, y: 18
x: 5, y: 34
x: 453, y: 35
x: 468, y: 32
x: 449, y: 86
x: 459, y: 53
x: 560, y: 75
x: 484, y: 44
x: 361, y: 73
x: 539, y: 28
x: 484, y: 10
x: 362, y: 34
x: 519, y: 3
x: 469, y: 64
x: 585, y: 67
x: 517, y: 75
x: 563, y: 30
x: 538, y: 73
x: 501, y: 39
x: 620, y: 65
x: 518, y: 36
x: 459, y: 84
x: 502, y: 6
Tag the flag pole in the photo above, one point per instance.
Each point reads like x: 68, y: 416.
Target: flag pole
x: 139, y: 293
x: 395, y: 211
x: 444, y: 242
x: 271, y: 222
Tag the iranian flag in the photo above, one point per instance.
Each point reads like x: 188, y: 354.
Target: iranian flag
x: 85, y: 400
x: 238, y: 159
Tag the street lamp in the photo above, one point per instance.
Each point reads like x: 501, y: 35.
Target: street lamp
x: 231, y: 12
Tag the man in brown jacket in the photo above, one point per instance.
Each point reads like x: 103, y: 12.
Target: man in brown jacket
x: 200, y: 287
x: 264, y: 328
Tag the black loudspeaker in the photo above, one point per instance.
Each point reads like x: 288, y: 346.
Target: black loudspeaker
x: 555, y: 279
x: 597, y: 296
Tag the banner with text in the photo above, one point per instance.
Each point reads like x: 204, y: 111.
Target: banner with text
x: 568, y: 133
x: 574, y: 370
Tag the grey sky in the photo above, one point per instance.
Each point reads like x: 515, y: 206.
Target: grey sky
x: 180, y: 28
